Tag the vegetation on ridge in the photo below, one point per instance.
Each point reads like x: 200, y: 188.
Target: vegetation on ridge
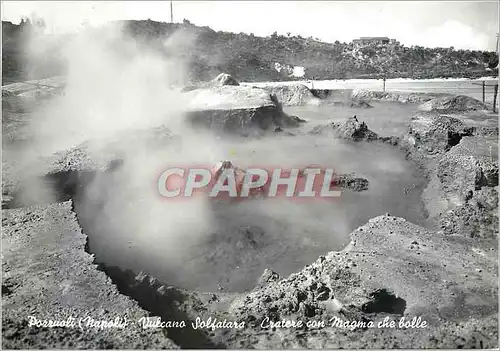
x: 252, y: 58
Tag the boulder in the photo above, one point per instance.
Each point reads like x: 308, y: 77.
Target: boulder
x: 237, y: 109
x: 233, y: 109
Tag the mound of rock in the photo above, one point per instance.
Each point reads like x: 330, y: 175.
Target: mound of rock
x: 293, y: 95
x: 355, y: 130
x: 222, y: 79
x: 434, y: 133
x: 237, y: 109
x: 468, y: 177
x: 462, y: 163
x: 352, y: 129
x: 384, y: 273
x: 233, y: 109
x: 451, y: 104
x: 367, y: 95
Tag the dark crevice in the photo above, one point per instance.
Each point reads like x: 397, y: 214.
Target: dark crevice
x: 161, y: 301
x: 8, y: 287
x: 384, y: 302
x: 454, y: 137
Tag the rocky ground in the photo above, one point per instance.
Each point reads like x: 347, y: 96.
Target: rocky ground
x: 444, y: 279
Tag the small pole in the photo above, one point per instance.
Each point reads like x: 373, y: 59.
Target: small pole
x: 483, y: 89
x: 171, y: 12
x: 495, y: 99
x: 384, y: 84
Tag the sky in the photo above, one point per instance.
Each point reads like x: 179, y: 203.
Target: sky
x: 461, y: 24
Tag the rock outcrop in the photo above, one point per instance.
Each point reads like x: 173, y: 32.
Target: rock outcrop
x: 468, y: 176
x: 382, y: 274
x: 48, y: 275
x: 463, y: 173
x: 355, y: 130
x: 352, y: 129
x: 453, y: 104
x: 434, y: 133
x: 233, y: 109
x: 237, y: 109
x: 293, y: 95
x: 368, y: 95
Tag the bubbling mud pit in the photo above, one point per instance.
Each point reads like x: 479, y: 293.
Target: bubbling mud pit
x: 204, y: 245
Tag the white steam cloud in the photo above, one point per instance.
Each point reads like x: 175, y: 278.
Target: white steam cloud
x: 117, y: 90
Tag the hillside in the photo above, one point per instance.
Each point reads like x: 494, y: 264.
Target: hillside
x: 277, y: 57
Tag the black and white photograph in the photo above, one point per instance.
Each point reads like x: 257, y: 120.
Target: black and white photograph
x: 250, y: 175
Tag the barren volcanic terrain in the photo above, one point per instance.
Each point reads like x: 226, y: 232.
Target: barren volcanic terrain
x: 86, y: 235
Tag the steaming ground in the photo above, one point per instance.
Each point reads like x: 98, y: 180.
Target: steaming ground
x: 114, y: 90
x: 203, y: 245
